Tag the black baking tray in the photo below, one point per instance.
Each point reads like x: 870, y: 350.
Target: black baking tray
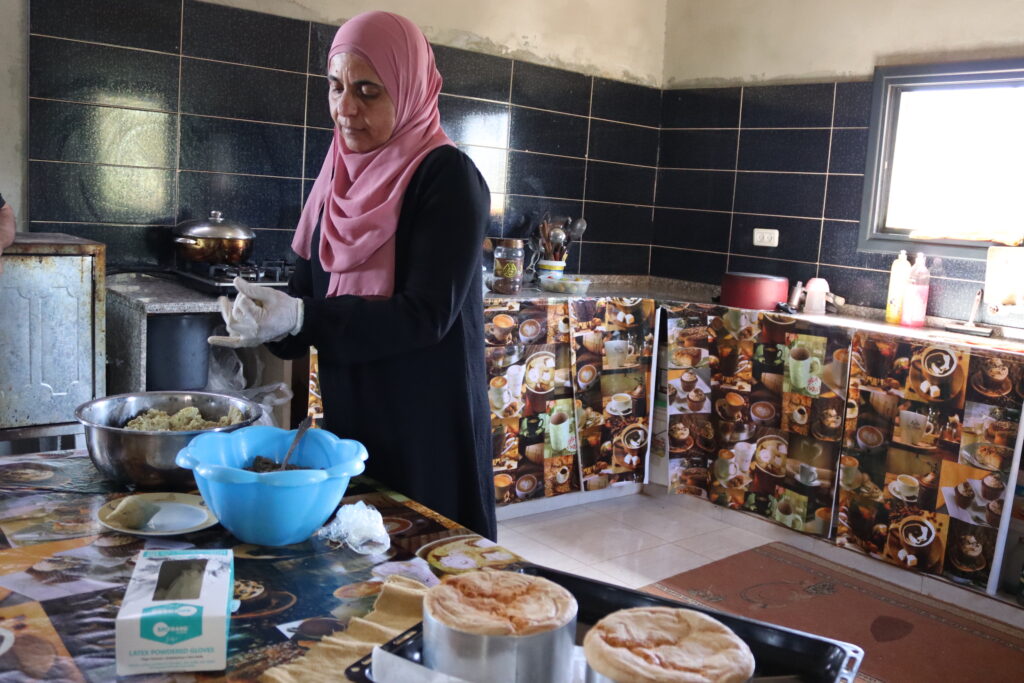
x: 781, y: 654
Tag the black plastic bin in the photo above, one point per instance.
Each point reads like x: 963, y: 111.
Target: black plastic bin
x: 177, y: 353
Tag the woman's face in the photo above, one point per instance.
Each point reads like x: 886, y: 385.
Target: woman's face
x: 361, y: 108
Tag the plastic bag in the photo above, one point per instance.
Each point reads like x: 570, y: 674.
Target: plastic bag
x: 359, y: 526
x: 226, y: 376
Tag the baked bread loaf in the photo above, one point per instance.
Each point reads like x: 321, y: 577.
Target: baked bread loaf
x: 667, y: 645
x: 499, y: 603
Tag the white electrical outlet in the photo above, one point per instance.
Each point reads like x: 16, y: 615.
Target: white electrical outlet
x: 766, y: 237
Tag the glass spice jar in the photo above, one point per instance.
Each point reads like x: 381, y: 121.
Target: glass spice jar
x: 508, y: 266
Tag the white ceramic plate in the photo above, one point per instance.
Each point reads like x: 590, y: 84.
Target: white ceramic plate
x: 180, y: 513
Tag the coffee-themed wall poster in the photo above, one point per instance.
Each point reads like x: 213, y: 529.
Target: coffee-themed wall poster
x: 756, y: 412
x: 924, y: 472
x: 613, y: 349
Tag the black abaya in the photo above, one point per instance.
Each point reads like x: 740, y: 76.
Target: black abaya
x: 405, y: 375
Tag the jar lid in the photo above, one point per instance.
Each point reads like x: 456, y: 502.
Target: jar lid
x: 514, y: 244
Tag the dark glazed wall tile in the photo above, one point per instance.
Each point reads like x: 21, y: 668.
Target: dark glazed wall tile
x: 785, y: 194
x: 100, y: 194
x: 839, y: 247
x: 250, y: 200
x: 788, y: 106
x: 784, y: 150
x: 523, y: 214
x: 320, y: 38
x: 701, y: 108
x: 619, y: 101
x: 470, y: 122
x: 624, y: 143
x: 497, y: 217
x: 858, y: 287
x: 237, y: 35
x: 695, y: 266
x: 473, y: 74
x: 853, y: 104
x: 128, y: 246
x: 849, y: 150
x: 492, y: 164
x: 60, y: 131
x: 240, y: 147
x: 318, y: 113
x: 620, y: 184
x: 708, y: 190
x: 798, y: 237
x: 617, y: 223
x: 620, y: 259
x: 545, y: 176
x: 544, y: 87
x: 152, y: 25
x: 702, y: 230
x: 102, y: 75
x: 318, y: 142
x: 768, y: 266
x: 844, y: 195
x: 271, y: 245
x: 703, y: 149
x: 242, y: 92
x: 533, y: 130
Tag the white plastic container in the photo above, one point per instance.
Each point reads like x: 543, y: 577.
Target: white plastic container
x: 814, y: 299
x: 552, y: 268
x: 899, y: 274
x: 915, y: 298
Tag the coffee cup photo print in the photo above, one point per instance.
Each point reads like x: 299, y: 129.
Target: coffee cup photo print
x: 803, y: 365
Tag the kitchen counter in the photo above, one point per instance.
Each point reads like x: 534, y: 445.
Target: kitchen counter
x: 154, y: 294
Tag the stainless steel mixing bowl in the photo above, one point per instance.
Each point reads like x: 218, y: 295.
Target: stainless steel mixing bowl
x: 147, y: 458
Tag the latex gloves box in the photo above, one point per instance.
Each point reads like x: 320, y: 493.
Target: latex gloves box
x: 176, y: 612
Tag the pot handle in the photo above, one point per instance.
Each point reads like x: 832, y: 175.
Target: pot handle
x: 185, y: 240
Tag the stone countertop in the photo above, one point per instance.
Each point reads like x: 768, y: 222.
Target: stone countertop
x: 155, y: 294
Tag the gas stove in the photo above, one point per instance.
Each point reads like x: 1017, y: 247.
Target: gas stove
x: 216, y: 278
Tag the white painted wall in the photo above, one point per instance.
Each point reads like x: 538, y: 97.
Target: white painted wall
x: 719, y: 42
x: 618, y: 39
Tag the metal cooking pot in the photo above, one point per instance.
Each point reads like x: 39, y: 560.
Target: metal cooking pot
x: 213, y: 240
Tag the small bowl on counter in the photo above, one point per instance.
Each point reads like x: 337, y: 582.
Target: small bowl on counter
x: 146, y: 458
x: 278, y: 507
x: 564, y: 284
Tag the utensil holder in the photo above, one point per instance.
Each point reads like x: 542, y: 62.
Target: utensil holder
x: 553, y: 268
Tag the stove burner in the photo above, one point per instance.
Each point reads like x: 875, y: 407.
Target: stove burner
x: 217, y: 277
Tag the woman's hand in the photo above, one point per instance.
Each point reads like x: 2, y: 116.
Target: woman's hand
x: 259, y: 314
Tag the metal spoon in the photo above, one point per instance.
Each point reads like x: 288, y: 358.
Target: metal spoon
x: 299, y: 433
x: 577, y: 228
x: 557, y: 237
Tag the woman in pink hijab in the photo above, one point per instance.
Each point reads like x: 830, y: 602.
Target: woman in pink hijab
x: 387, y: 285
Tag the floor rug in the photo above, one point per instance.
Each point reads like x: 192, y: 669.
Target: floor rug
x: 906, y: 637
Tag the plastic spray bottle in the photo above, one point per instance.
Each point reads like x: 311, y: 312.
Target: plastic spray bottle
x: 898, y: 276
x: 915, y: 298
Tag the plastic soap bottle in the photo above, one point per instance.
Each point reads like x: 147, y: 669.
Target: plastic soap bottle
x: 915, y: 298
x: 898, y: 276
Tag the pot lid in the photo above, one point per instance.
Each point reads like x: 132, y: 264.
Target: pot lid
x: 216, y: 226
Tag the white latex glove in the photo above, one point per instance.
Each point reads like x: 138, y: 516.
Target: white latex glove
x: 258, y: 315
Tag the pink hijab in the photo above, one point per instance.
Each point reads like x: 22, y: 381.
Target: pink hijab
x: 361, y: 194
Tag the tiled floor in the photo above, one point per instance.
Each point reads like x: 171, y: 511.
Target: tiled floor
x: 639, y: 539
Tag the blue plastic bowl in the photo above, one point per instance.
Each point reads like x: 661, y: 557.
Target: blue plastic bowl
x: 272, y: 508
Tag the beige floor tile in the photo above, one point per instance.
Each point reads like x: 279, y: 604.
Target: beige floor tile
x: 647, y: 566
x: 588, y: 572
x: 722, y: 542
x: 544, y: 518
x: 597, y: 541
x: 670, y: 524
